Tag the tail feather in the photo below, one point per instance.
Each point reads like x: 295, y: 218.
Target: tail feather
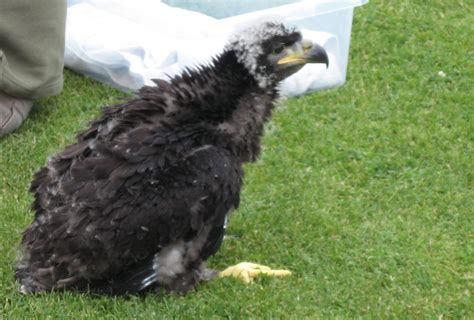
x: 135, y: 281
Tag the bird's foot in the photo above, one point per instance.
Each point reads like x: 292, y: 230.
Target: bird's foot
x: 247, y: 272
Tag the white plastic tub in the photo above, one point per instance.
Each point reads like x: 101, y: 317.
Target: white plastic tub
x: 331, y: 16
x: 126, y: 43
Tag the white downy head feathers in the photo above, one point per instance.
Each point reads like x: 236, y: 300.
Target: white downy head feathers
x: 247, y: 45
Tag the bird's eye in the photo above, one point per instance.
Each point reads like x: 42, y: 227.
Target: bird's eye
x: 279, y: 49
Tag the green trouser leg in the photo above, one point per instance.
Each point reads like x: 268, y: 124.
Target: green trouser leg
x: 32, y: 36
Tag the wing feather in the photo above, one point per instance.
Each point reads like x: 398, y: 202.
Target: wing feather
x: 120, y: 210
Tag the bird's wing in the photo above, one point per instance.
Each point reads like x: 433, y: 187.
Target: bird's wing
x: 117, y: 212
x: 158, y: 207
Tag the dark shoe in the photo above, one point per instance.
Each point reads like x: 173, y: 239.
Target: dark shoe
x: 13, y: 111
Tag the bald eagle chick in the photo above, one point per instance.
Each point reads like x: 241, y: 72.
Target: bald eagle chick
x: 143, y: 196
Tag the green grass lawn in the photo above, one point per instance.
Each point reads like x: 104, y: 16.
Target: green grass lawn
x: 365, y: 192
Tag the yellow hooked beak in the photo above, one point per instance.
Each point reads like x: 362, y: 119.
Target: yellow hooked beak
x: 311, y: 53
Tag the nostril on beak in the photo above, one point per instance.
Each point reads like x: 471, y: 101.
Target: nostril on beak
x: 306, y: 44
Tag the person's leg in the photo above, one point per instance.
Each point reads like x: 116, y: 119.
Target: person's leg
x: 31, y: 56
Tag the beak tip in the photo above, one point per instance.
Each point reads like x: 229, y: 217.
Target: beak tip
x: 317, y: 54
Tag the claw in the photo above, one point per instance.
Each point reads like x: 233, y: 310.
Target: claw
x: 247, y: 272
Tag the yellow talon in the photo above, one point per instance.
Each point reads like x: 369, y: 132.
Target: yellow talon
x: 247, y: 272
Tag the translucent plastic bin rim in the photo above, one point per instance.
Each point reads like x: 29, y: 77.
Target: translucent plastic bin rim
x: 296, y: 11
x: 289, y: 12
